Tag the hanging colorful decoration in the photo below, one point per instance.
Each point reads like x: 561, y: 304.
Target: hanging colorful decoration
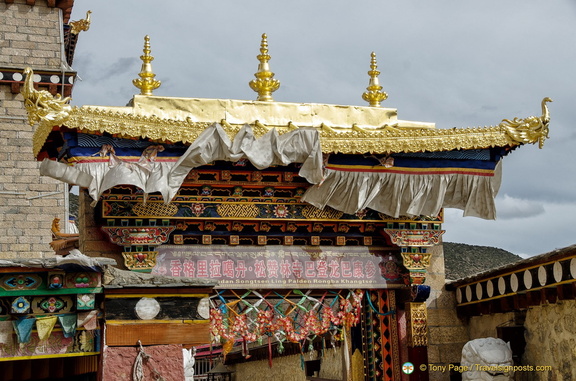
x: 294, y: 317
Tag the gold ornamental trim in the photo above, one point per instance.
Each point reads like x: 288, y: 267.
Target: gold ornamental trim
x: 332, y: 139
x: 417, y: 330
x: 238, y: 210
x: 114, y: 121
x: 155, y: 209
x: 47, y: 112
x: 142, y: 261
x: 313, y: 213
x: 374, y: 94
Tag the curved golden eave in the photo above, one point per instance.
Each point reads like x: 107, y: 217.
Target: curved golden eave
x: 343, y: 139
x: 343, y: 129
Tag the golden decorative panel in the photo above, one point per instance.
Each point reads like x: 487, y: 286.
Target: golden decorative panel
x: 417, y: 330
x: 313, y: 213
x: 238, y: 210
x: 155, y: 209
x: 143, y: 261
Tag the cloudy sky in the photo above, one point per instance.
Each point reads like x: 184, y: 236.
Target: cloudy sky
x: 452, y: 62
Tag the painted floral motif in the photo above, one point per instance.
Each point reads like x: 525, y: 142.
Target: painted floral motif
x: 21, y: 282
x: 52, y: 304
x: 237, y: 192
x: 281, y: 211
x: 85, y: 301
x: 256, y: 176
x: 361, y: 213
x: 82, y: 280
x: 20, y: 305
x: 193, y: 176
x: 197, y: 209
x: 55, y: 281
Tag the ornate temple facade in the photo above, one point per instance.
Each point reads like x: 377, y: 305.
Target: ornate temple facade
x: 317, y: 221
x: 310, y: 230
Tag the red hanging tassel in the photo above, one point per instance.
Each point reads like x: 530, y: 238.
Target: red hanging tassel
x: 245, y: 351
x: 269, y: 351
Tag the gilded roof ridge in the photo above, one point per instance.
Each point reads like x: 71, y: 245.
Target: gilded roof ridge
x: 348, y: 140
x: 344, y: 139
x: 48, y: 111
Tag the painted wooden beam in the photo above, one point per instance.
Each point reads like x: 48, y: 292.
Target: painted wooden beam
x: 192, y: 333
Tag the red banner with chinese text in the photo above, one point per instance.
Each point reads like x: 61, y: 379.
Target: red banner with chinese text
x: 274, y: 267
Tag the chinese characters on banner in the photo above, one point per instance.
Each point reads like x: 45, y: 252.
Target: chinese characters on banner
x: 281, y: 266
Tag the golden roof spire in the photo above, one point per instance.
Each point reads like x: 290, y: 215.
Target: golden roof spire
x: 374, y: 95
x: 264, y: 84
x: 146, y: 83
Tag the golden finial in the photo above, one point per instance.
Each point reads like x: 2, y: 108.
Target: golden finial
x: 264, y: 84
x: 374, y: 95
x: 80, y: 25
x: 146, y: 83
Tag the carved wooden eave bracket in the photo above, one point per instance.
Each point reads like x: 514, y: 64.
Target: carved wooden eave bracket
x: 139, y: 244
x: 413, y: 244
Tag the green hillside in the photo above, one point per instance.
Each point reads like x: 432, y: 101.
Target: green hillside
x: 462, y: 260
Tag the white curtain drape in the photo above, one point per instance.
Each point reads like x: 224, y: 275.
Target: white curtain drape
x: 390, y: 193
x: 406, y: 195
x: 297, y: 146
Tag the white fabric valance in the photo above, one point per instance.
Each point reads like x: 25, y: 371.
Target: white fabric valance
x: 406, y: 195
x: 298, y: 146
x: 349, y: 191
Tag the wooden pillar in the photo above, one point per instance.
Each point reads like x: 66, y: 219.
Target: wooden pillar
x: 417, y: 338
x: 41, y: 368
x: 419, y: 356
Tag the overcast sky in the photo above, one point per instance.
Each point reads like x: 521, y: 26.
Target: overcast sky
x: 455, y: 63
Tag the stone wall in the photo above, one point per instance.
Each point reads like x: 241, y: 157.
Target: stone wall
x: 447, y: 333
x: 288, y: 368
x: 29, y: 36
x: 550, y: 333
x: 485, y: 325
x: 550, y: 339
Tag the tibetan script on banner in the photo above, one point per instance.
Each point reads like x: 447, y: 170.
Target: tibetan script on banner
x: 282, y: 266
